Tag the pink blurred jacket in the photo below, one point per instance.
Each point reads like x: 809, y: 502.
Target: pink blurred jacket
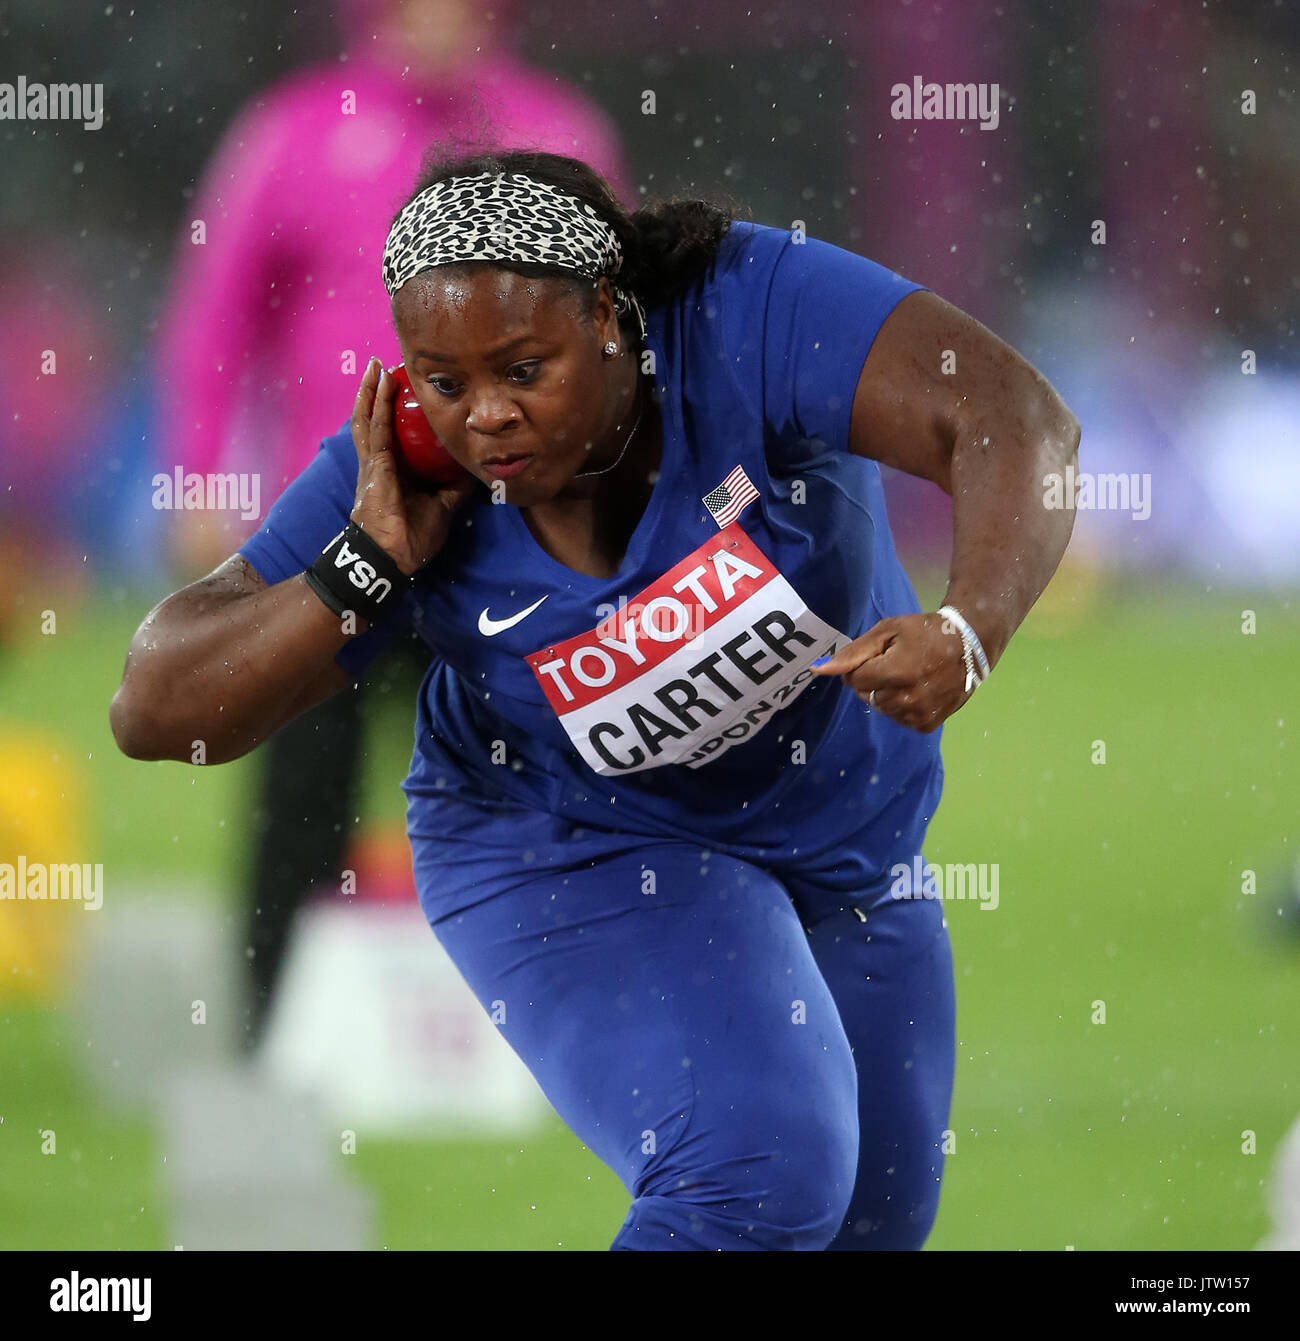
x: 258, y: 324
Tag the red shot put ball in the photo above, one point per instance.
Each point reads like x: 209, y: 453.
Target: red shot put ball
x: 417, y: 444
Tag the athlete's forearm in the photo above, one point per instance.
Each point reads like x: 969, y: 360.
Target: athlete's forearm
x: 223, y: 666
x: 1006, y: 543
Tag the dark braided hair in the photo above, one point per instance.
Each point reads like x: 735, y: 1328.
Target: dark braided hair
x: 666, y: 244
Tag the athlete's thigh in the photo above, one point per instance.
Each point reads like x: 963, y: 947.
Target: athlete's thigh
x: 892, y: 980
x: 664, y: 998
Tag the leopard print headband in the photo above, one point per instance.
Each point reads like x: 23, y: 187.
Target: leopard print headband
x: 504, y: 217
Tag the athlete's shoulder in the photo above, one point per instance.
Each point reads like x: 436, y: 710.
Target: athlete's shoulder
x: 737, y: 276
x: 753, y: 261
x: 789, y: 275
x: 749, y: 251
x: 730, y: 298
x: 748, y: 237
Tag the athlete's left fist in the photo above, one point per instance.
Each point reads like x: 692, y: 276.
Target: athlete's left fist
x: 908, y: 667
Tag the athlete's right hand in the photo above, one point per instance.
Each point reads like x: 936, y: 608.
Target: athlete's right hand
x: 409, y: 524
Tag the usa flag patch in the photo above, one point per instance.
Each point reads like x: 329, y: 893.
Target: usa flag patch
x: 731, y: 497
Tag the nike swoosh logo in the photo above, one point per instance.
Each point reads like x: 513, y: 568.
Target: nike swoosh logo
x: 487, y: 626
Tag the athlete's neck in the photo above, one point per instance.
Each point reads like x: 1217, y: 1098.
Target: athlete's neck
x: 589, y: 532
x: 609, y: 461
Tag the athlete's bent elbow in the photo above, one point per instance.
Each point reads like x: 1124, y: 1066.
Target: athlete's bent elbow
x: 135, y: 728
x: 141, y: 726
x: 126, y: 726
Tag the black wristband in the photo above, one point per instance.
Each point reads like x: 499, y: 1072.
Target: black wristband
x: 353, y: 573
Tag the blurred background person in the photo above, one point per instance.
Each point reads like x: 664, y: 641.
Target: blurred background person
x: 56, y: 373
x: 276, y: 304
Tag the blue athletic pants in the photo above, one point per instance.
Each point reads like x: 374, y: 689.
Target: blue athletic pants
x: 760, y: 1066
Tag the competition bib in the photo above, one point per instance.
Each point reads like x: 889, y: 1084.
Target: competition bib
x: 698, y: 661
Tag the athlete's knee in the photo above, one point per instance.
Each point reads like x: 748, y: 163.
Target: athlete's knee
x: 899, y: 1224
x: 812, y: 1182
x: 780, y: 1185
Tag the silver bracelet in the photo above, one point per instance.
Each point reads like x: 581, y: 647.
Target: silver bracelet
x: 972, y: 651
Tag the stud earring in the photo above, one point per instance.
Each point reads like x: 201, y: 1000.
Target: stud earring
x: 610, y: 349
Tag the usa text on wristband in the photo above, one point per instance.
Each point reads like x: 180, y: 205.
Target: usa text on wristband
x: 354, y: 573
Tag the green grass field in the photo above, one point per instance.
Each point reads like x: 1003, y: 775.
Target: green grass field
x: 1119, y: 882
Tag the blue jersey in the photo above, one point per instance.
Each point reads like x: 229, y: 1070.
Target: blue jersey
x: 674, y: 698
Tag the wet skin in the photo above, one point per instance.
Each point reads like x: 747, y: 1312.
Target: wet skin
x: 507, y: 367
